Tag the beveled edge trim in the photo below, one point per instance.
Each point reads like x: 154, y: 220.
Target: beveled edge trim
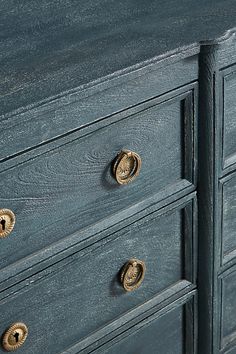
x: 78, y: 109
x: 179, y: 295
x: 227, y: 35
x: 115, y: 78
x: 228, y: 163
x: 225, y: 342
x: 39, y: 265
x: 57, y: 250
x: 188, y: 90
x: 227, y: 259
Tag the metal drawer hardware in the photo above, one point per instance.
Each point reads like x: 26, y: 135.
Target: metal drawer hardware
x: 132, y: 274
x: 7, y: 222
x: 14, y: 337
x: 127, y: 166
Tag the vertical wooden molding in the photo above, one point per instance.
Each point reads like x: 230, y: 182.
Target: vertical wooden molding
x: 206, y: 198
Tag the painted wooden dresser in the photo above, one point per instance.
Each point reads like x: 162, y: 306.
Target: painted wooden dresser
x: 118, y: 177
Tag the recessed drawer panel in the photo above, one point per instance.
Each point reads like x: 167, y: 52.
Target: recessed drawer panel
x: 37, y: 122
x: 89, y: 289
x: 72, y: 186
x: 228, y: 211
x: 228, y: 308
x: 229, y: 116
x: 165, y: 333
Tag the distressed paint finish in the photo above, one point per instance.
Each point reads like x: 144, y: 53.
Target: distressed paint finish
x: 206, y: 180
x: 71, y: 297
x: 228, y: 209
x: 79, y: 81
x: 49, y: 121
x: 230, y: 351
x: 167, y: 334
x: 227, y: 309
x: 229, y: 114
x: 72, y: 187
x: 228, y: 321
x: 215, y: 240
x: 157, y: 306
x: 59, y: 45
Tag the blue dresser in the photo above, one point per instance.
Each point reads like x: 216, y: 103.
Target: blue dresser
x: 118, y: 177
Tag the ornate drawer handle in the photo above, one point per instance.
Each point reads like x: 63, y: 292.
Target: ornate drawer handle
x: 7, y: 222
x: 132, y: 274
x: 127, y: 166
x: 14, y: 337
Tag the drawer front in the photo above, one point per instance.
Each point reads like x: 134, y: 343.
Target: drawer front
x: 44, y: 121
x: 228, y: 224
x: 229, y: 116
x: 228, y: 309
x: 84, y: 292
x: 72, y: 186
x: 168, y: 333
x: 230, y: 351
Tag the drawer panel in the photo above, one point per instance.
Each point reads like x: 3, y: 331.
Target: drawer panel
x: 228, y: 224
x: 230, y: 351
x: 83, y: 293
x: 228, y: 308
x: 168, y: 333
x: 228, y: 116
x: 32, y: 125
x: 72, y: 186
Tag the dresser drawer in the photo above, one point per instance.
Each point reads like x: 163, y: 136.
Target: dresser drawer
x: 228, y: 308
x: 228, y: 114
x: 228, y: 224
x: 162, y: 333
x: 73, y: 186
x: 89, y: 289
x: 231, y: 351
x: 42, y: 122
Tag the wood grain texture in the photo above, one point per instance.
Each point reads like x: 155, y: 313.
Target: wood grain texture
x: 14, y: 278
x: 36, y: 262
x: 84, y: 293
x: 227, y: 309
x: 228, y: 224
x: 228, y: 116
x: 18, y: 158
x: 226, y: 50
x: 213, y: 58
x: 207, y: 202
x: 71, y: 65
x: 64, y: 44
x: 230, y: 351
x: 165, y: 334
x: 62, y: 116
x: 166, y: 301
x: 71, y: 187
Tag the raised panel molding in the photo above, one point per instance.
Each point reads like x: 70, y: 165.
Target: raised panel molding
x: 227, y: 109
x: 73, y: 181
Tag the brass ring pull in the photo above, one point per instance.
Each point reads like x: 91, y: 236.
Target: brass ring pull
x: 132, y: 274
x: 14, y: 337
x: 7, y: 222
x: 127, y: 166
